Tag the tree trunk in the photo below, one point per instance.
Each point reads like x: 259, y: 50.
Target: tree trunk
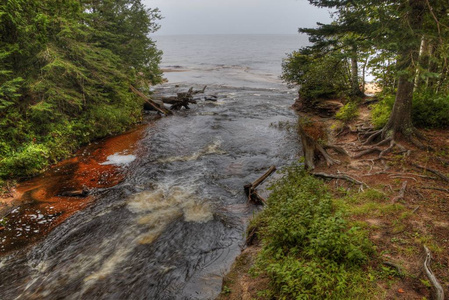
x: 400, y: 120
x: 355, y: 86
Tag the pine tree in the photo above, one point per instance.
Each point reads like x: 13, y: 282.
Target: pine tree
x: 65, y: 72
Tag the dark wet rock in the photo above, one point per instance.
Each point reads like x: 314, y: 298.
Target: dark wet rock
x: 211, y: 98
x: 76, y: 193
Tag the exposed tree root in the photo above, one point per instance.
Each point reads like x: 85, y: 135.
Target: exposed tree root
x: 372, y: 137
x: 366, y: 152
x: 382, y: 152
x: 329, y: 160
x: 438, y: 289
x: 401, y: 193
x: 439, y: 174
x: 337, y: 149
x: 312, y: 148
x: 434, y: 188
x: 397, y: 267
x: 341, y: 176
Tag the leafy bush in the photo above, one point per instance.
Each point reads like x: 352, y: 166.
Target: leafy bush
x: 309, y: 250
x: 27, y: 162
x: 348, y: 112
x: 381, y: 111
x: 431, y: 110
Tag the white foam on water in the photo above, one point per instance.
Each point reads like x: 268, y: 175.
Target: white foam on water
x: 119, y: 160
x: 155, y: 211
x: 213, y: 148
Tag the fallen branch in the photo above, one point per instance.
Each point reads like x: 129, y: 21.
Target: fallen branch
x: 153, y: 104
x: 443, y: 177
x: 401, y: 193
x: 250, y: 189
x: 439, y: 292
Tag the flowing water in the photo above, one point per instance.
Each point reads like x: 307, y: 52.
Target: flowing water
x: 174, y: 224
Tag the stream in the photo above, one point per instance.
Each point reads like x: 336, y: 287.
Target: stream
x: 175, y: 222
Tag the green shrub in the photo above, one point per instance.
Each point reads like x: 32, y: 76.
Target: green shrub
x: 431, y: 110
x: 348, y: 112
x: 309, y: 250
x: 381, y: 111
x: 32, y: 159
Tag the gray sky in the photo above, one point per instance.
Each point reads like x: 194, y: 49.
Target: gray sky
x: 236, y: 16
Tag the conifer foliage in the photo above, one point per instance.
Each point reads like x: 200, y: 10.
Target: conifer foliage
x: 404, y: 44
x: 65, y: 71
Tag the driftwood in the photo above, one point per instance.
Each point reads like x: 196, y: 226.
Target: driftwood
x: 250, y: 189
x: 182, y: 99
x: 439, y: 292
x: 200, y: 91
x: 153, y: 104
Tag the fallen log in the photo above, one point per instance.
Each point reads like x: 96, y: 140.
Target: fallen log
x: 153, y: 104
x: 250, y: 189
x: 180, y: 100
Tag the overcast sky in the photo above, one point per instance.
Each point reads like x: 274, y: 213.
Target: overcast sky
x: 236, y: 16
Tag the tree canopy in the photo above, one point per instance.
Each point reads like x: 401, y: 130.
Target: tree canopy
x: 65, y: 72
x: 404, y: 43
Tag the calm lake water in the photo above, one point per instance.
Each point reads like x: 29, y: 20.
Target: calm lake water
x: 235, y: 60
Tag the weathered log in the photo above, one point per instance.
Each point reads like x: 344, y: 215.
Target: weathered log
x: 153, y: 104
x: 180, y: 100
x: 200, y: 91
x: 250, y: 189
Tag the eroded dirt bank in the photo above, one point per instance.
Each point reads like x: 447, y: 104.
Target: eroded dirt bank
x: 37, y: 206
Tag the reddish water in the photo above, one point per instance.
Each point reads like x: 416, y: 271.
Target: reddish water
x: 41, y: 204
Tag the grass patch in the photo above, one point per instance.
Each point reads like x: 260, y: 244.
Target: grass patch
x: 309, y: 250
